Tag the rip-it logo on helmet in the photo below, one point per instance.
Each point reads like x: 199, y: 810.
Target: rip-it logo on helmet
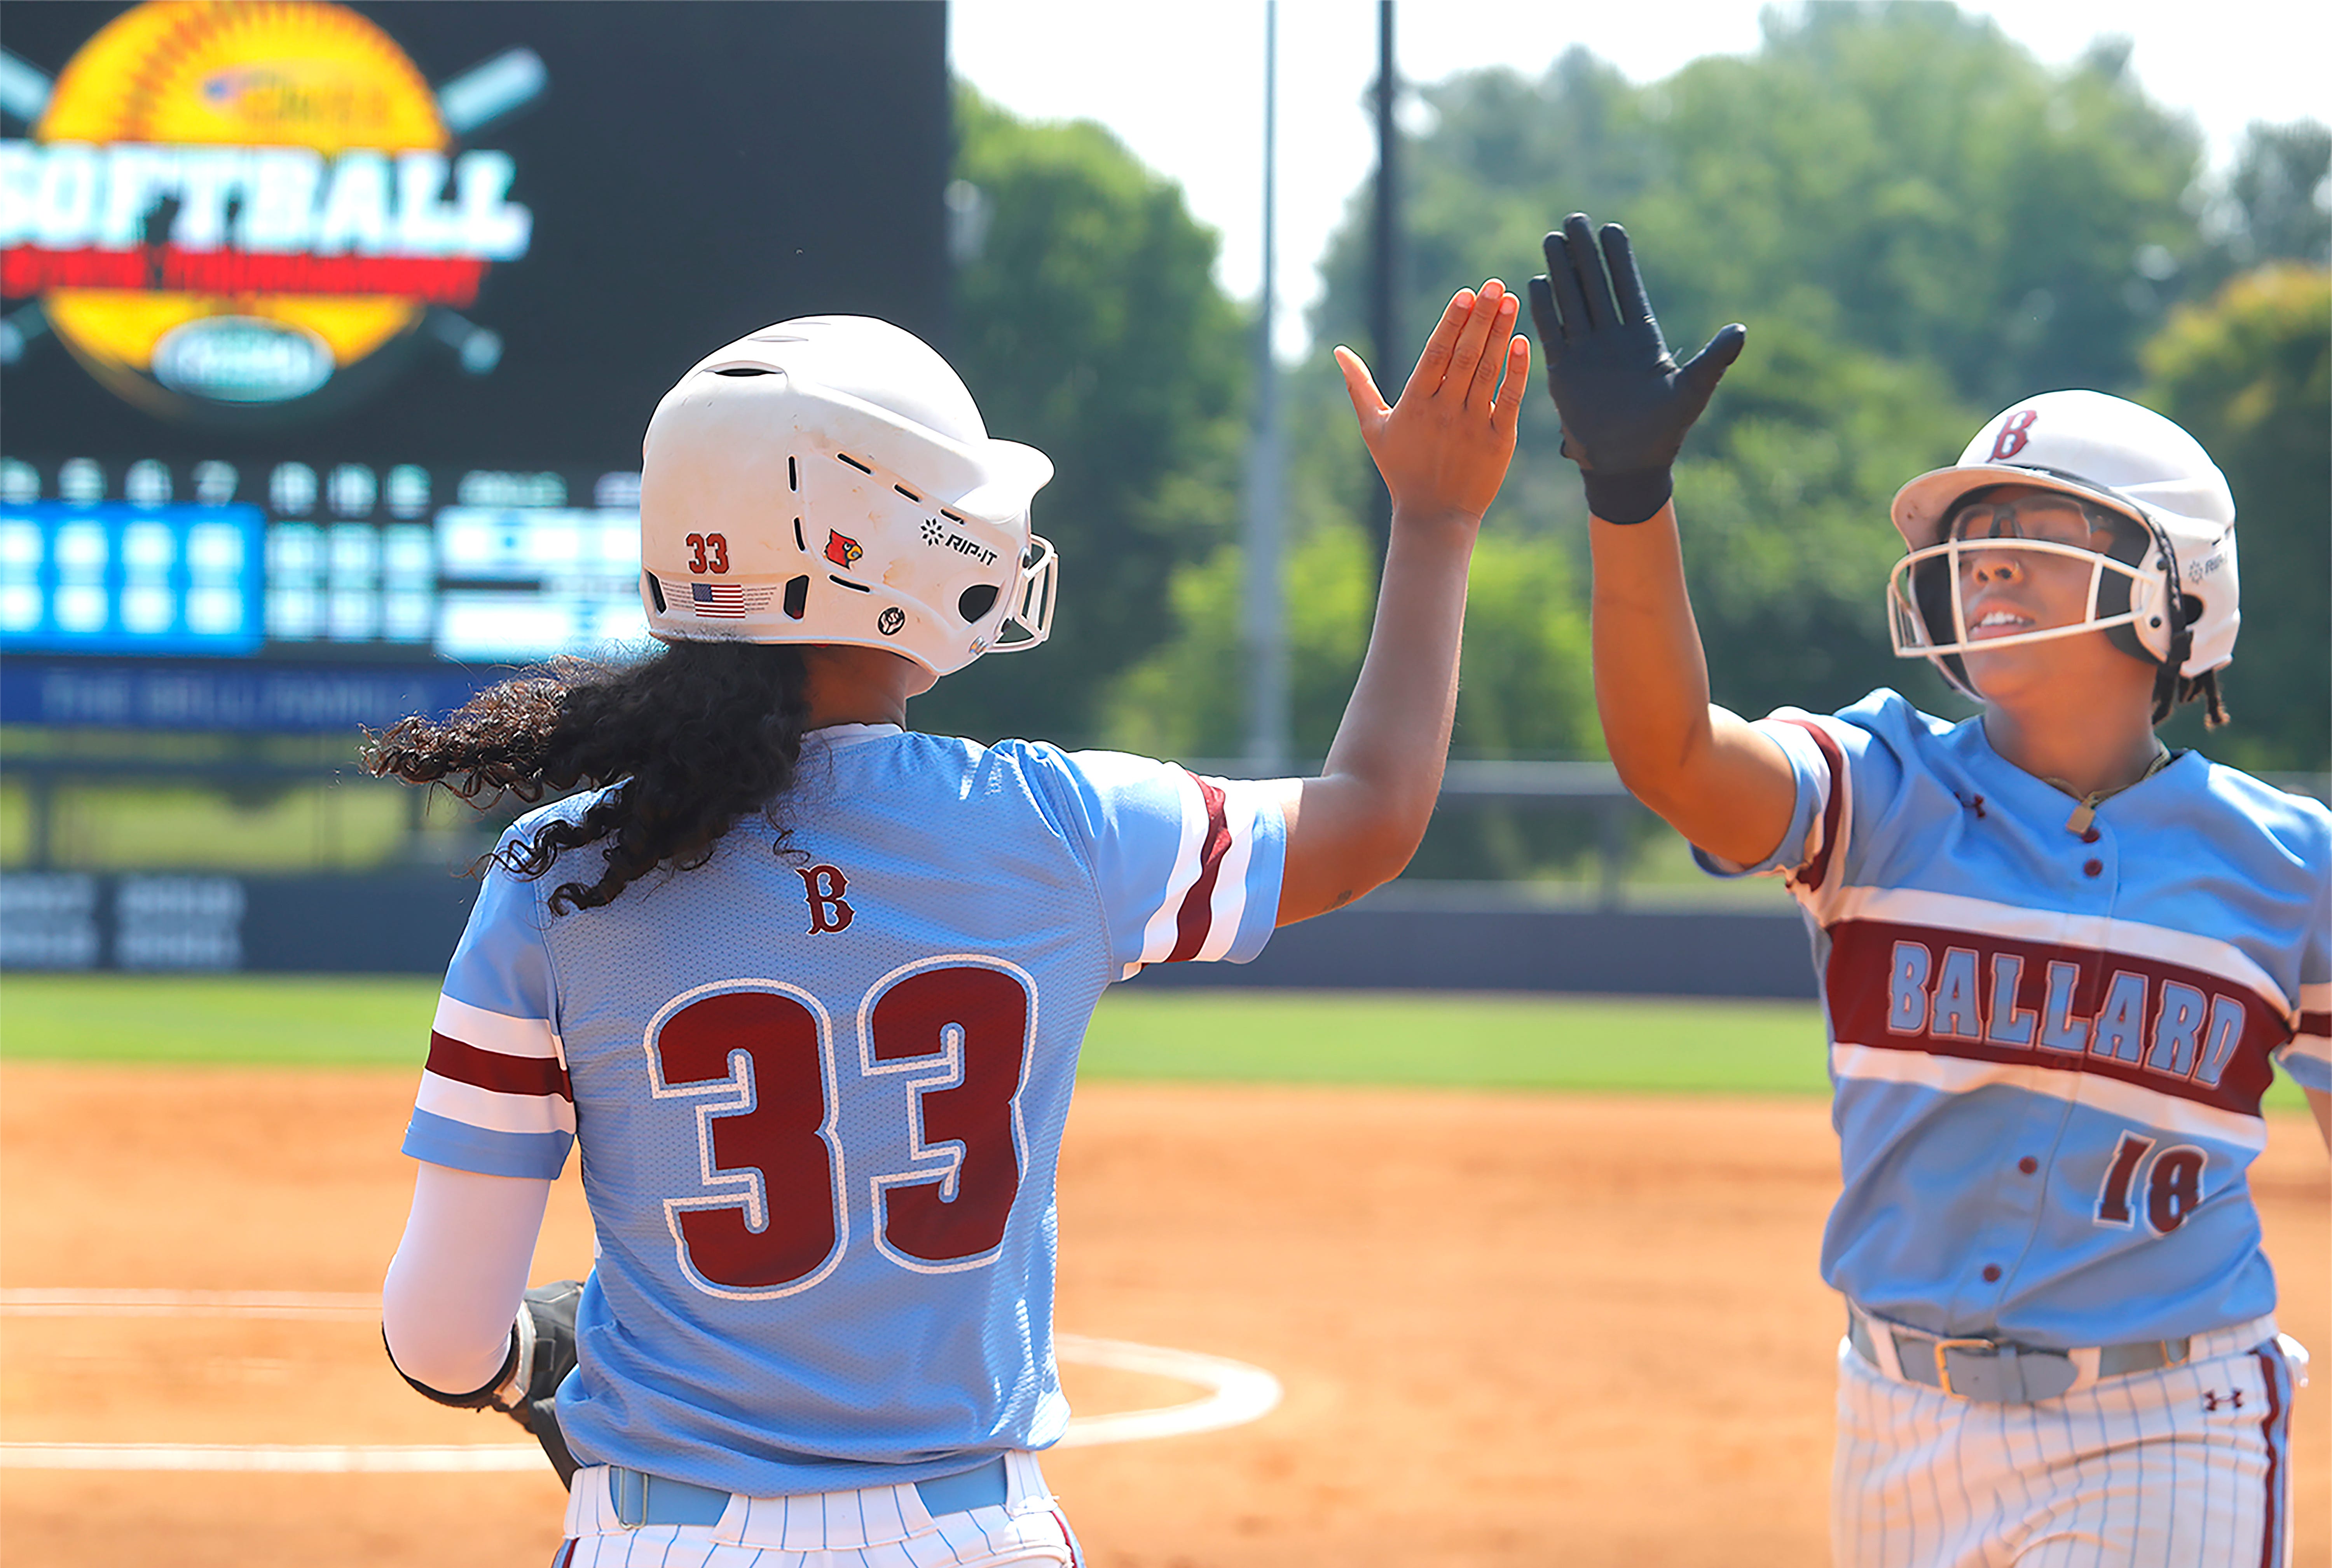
x: 231, y: 212
x: 2165, y: 589
x: 860, y: 497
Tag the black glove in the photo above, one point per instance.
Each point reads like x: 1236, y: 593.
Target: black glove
x: 546, y: 1319
x: 526, y: 1390
x: 1625, y: 405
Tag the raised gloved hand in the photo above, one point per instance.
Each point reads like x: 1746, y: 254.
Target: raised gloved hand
x: 1625, y: 403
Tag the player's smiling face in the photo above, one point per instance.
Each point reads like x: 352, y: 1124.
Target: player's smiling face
x: 2015, y: 589
x: 2012, y: 588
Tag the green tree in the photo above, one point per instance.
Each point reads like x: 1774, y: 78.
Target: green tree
x: 1088, y: 324
x: 1526, y: 690
x: 2250, y: 374
x: 2276, y: 212
x: 1188, y: 698
x: 1903, y: 176
x: 1917, y: 220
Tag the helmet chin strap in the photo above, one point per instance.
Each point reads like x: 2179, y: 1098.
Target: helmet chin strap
x: 2181, y: 639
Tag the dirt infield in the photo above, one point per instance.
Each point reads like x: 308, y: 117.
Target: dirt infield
x: 1503, y: 1323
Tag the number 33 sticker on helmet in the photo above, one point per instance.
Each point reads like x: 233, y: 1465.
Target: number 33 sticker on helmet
x: 850, y: 472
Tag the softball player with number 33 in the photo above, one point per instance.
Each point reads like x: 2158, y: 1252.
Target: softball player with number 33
x: 2059, y: 962
x: 810, y: 1006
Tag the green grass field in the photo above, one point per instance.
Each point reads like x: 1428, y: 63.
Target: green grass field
x: 1441, y: 1041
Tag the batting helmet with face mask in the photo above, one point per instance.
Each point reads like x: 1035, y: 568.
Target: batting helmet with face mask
x: 828, y: 480
x: 2164, y: 590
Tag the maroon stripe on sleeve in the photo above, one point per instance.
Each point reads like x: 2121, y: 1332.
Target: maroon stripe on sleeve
x: 1833, y: 811
x: 505, y: 1074
x: 1191, y: 922
x: 2271, y: 1535
x: 2314, y: 1024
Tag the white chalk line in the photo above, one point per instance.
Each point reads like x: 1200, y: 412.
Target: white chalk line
x: 329, y: 1305
x: 1236, y: 1393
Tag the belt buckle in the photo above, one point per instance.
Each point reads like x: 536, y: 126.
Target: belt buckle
x: 628, y: 1491
x: 1943, y: 1368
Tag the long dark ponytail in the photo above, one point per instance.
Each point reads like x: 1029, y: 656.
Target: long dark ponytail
x: 697, y: 736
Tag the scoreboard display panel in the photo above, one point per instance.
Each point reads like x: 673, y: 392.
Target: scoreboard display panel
x: 287, y: 562
x: 328, y: 332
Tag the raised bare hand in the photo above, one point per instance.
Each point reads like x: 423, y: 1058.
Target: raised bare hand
x: 1443, y: 449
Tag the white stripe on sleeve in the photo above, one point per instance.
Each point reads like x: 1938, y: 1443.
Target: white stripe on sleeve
x: 500, y: 1032
x: 493, y: 1110
x: 1159, y: 935
x: 1241, y: 801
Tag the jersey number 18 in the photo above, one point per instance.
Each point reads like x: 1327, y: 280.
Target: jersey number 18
x: 2172, y: 1186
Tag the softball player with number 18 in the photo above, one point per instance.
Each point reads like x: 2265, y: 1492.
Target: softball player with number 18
x: 2059, y: 963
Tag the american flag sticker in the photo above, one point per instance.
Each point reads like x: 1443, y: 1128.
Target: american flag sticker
x: 728, y: 600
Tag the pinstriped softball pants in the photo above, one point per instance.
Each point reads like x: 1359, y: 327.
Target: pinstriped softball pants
x: 2185, y: 1467
x: 877, y: 1527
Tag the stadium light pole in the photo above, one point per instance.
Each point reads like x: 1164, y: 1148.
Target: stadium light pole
x: 1265, y: 598
x: 1384, y: 275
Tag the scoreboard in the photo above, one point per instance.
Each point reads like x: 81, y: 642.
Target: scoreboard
x: 348, y: 564
x: 328, y: 332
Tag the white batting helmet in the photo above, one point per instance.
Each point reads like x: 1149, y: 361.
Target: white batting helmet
x: 828, y: 480
x: 2167, y: 592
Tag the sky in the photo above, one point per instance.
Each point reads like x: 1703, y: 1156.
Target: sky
x: 1180, y: 83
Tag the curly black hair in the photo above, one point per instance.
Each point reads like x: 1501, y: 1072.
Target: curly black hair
x: 696, y: 737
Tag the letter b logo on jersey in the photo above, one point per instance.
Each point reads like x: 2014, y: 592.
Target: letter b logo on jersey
x: 824, y: 886
x: 2013, y: 435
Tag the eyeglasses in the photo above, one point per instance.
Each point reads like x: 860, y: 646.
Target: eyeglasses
x: 2056, y: 518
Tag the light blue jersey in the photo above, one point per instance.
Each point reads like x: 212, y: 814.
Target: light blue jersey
x: 2048, y: 1045
x: 819, y: 1092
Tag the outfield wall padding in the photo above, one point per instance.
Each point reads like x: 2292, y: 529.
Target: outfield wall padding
x: 407, y: 923
x: 1614, y: 953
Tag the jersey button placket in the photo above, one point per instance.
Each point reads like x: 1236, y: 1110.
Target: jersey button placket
x: 2092, y: 854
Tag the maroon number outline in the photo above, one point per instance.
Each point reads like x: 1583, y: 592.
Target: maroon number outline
x: 2159, y: 1190
x: 735, y: 1098
x: 2121, y: 1175
x: 2125, y: 1192
x: 719, y: 544
x: 925, y: 1076
x: 695, y: 542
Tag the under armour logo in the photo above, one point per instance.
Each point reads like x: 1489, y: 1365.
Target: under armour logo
x: 1972, y: 802
x: 2212, y: 1401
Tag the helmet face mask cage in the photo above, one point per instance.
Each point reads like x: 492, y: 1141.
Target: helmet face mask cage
x: 1029, y: 620
x: 2169, y: 593
x: 1927, y: 614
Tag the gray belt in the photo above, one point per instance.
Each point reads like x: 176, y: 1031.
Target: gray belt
x: 641, y: 1498
x: 1996, y: 1372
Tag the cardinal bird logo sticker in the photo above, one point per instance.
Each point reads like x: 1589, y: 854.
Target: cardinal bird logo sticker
x: 841, y: 549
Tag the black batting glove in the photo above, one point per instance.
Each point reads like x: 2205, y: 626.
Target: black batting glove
x: 542, y: 1352
x: 1625, y: 403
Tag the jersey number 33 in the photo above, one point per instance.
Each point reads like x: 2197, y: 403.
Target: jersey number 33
x: 772, y: 1214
